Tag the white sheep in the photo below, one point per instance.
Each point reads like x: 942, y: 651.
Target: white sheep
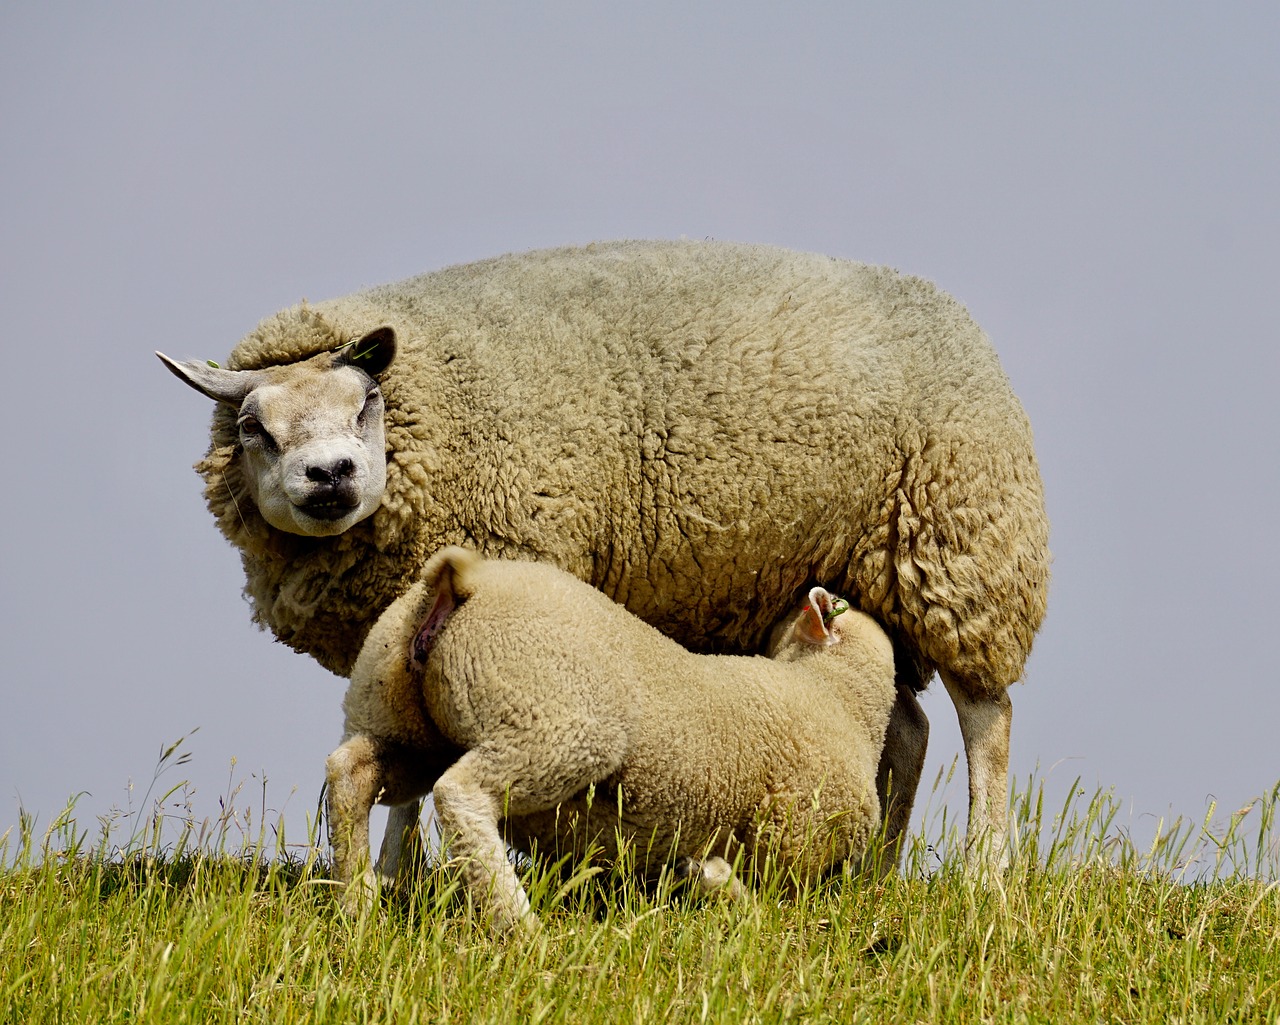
x: 703, y: 431
x: 568, y: 724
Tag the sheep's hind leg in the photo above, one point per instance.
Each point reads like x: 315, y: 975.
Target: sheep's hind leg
x: 898, y: 775
x: 984, y: 723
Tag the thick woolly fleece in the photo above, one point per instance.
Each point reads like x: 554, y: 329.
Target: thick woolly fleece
x: 701, y: 430
x: 577, y: 718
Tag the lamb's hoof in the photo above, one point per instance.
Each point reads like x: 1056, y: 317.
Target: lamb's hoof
x: 530, y: 925
x: 710, y: 876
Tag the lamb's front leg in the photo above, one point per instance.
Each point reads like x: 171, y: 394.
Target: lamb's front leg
x: 711, y: 875
x: 401, y: 844
x: 353, y: 777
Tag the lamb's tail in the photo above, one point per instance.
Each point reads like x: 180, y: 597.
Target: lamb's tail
x: 447, y: 580
x: 453, y: 568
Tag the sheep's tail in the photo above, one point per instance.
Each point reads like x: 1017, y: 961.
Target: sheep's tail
x: 448, y: 579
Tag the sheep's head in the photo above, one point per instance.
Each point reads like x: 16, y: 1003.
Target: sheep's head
x: 312, y: 441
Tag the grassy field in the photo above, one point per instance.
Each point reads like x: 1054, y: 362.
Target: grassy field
x: 1082, y: 928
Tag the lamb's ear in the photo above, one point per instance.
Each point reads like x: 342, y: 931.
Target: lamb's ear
x: 442, y: 607
x: 815, y: 619
x: 229, y: 386
x: 373, y: 352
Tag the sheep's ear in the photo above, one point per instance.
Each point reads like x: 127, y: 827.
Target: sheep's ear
x: 373, y: 352
x: 229, y: 386
x: 815, y: 619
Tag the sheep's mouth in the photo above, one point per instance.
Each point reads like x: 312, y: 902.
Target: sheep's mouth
x: 330, y: 507
x: 328, y: 511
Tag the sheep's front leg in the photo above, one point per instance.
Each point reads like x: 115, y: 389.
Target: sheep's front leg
x: 984, y: 723
x: 468, y: 799
x: 401, y: 844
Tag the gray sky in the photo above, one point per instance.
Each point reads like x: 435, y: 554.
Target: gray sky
x: 1097, y: 182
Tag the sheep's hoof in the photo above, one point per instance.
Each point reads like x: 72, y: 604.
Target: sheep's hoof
x: 360, y: 896
x: 512, y: 922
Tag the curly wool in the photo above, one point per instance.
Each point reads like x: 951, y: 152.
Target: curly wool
x: 701, y: 430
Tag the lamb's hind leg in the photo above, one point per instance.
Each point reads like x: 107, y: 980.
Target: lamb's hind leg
x: 361, y: 772
x: 511, y: 778
x: 985, y: 721
x: 352, y: 777
x: 471, y: 798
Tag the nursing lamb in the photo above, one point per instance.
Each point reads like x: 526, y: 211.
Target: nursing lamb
x: 575, y: 725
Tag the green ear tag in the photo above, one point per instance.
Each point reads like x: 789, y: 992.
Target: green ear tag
x: 838, y: 609
x: 355, y: 352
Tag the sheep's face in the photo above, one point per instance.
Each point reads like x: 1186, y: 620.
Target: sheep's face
x: 313, y: 451
x: 313, y: 447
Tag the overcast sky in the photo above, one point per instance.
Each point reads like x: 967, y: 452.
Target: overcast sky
x: 1098, y: 182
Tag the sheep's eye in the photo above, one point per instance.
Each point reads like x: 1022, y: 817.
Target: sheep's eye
x: 251, y: 428
x: 369, y: 400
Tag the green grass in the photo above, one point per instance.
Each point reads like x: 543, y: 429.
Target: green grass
x: 1083, y: 927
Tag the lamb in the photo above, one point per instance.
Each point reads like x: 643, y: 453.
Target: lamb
x: 567, y: 723
x: 703, y: 431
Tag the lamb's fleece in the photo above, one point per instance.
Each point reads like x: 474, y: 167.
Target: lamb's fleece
x: 580, y: 723
x: 700, y: 429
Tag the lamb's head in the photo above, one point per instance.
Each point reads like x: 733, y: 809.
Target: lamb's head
x: 810, y: 627
x: 312, y: 441
x: 822, y: 622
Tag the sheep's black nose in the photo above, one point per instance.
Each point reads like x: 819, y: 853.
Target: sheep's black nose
x: 331, y: 474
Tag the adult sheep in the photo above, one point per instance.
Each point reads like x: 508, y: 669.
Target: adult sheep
x: 700, y: 430
x: 565, y: 724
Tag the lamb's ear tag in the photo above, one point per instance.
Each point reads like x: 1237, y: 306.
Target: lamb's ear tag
x: 823, y: 607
